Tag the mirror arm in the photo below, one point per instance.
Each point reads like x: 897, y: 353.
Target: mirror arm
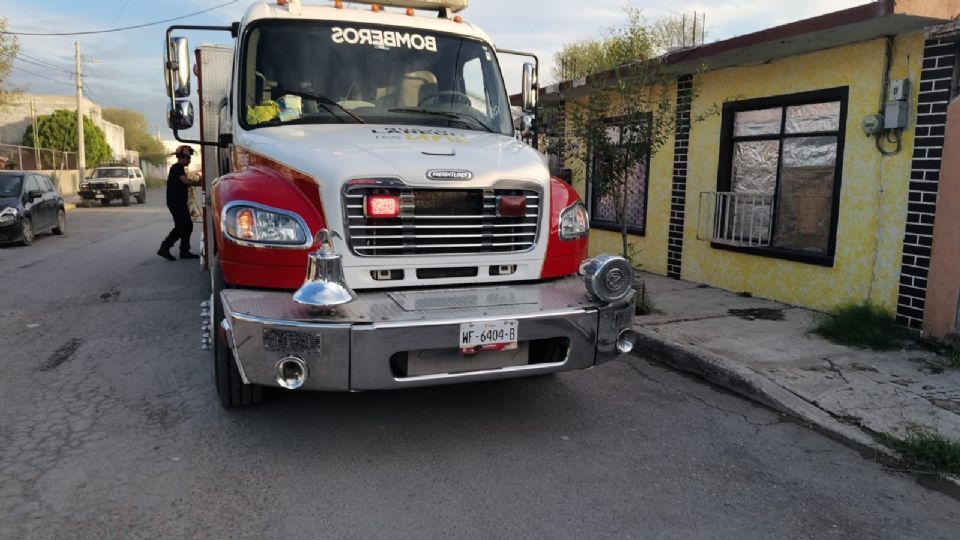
x: 233, y: 28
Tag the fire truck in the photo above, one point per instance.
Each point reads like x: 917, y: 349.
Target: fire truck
x: 372, y: 216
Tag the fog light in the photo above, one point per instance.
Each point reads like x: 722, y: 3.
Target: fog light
x: 626, y: 341
x: 291, y: 372
x: 608, y: 278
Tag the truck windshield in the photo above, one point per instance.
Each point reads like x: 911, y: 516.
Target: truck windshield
x: 110, y: 173
x: 329, y: 72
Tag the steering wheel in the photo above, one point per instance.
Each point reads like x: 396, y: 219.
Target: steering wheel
x: 461, y: 97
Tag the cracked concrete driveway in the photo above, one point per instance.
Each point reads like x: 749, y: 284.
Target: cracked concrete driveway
x: 109, y: 428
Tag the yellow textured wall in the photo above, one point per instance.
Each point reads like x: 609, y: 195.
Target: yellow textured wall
x: 873, y: 198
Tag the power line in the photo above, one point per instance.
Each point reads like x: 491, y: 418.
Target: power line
x: 39, y: 64
x: 113, y: 22
x: 88, y: 32
x: 44, y: 62
x: 61, y: 81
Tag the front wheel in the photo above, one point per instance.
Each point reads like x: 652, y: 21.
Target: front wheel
x: 230, y: 387
x: 26, y: 233
x: 125, y: 197
x: 61, y: 227
x: 105, y: 202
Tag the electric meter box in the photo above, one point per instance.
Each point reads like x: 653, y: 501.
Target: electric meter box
x: 899, y: 90
x: 895, y: 115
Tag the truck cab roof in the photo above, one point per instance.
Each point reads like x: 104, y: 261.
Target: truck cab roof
x: 270, y: 10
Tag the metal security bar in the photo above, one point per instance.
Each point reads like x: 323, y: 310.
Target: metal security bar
x: 740, y: 219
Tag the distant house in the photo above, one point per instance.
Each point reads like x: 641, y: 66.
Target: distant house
x: 15, y: 119
x: 783, y: 195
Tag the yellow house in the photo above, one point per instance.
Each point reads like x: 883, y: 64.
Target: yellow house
x: 816, y: 185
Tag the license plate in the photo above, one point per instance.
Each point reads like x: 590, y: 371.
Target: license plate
x: 98, y: 196
x: 488, y: 336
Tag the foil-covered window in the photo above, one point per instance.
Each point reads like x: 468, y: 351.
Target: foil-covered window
x: 757, y: 122
x: 784, y: 161
x: 805, y: 200
x: 603, y: 210
x: 813, y: 117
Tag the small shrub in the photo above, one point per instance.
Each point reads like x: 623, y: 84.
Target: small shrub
x: 864, y: 326
x: 926, y: 451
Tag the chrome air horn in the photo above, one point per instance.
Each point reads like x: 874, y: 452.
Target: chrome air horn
x: 324, y: 288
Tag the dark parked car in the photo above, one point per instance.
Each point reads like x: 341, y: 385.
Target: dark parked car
x: 29, y: 204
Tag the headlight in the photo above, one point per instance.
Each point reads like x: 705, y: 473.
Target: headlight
x: 574, y: 222
x: 114, y: 185
x: 8, y: 216
x: 262, y: 226
x: 84, y: 186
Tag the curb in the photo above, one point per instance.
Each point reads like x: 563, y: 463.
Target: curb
x: 752, y: 385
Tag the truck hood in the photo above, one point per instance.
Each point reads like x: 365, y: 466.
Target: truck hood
x: 336, y: 153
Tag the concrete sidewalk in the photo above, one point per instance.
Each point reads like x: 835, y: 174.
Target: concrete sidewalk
x: 765, y: 351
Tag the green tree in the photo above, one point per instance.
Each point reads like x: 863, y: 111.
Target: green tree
x: 628, y: 116
x: 58, y: 130
x: 9, y: 47
x: 615, y: 47
x: 136, y: 134
x: 639, y: 39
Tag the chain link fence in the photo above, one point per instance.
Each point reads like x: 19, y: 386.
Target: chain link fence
x: 36, y: 159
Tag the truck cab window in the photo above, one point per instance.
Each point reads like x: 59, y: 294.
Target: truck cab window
x: 317, y: 72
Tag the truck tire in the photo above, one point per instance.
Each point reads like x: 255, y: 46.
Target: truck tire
x: 125, y: 196
x: 230, y: 387
x: 142, y: 196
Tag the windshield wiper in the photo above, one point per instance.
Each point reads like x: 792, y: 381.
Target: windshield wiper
x: 446, y: 114
x: 325, y: 102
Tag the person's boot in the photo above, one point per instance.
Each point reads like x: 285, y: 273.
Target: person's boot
x: 165, y: 253
x: 188, y: 255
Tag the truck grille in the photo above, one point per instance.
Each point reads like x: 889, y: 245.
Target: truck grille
x: 441, y: 221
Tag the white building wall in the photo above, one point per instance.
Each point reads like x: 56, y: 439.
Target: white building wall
x: 15, y: 119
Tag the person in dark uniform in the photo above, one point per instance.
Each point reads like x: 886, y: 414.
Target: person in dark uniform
x: 177, y: 184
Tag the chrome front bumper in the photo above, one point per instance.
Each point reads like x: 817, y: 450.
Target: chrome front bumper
x: 365, y: 344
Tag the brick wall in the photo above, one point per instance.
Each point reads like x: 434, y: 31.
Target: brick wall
x: 678, y: 197
x: 939, y: 58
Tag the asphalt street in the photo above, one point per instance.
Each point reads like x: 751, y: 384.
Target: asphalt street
x: 110, y: 428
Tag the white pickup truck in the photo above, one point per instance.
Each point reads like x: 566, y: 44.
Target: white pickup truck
x: 106, y: 184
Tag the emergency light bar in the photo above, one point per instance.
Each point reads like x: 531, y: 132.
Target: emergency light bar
x: 454, y: 6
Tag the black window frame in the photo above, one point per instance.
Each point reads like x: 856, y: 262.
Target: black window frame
x: 725, y: 166
x: 604, y: 225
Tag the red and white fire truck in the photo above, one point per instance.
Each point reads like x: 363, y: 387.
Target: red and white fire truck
x: 372, y: 218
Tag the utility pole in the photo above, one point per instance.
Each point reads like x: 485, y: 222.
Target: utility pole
x: 81, y: 150
x: 36, y: 141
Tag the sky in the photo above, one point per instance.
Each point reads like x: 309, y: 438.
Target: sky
x: 124, y: 69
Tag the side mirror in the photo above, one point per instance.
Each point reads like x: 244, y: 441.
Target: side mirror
x: 181, y: 116
x: 526, y: 123
x: 177, y: 68
x: 34, y: 194
x: 528, y: 91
